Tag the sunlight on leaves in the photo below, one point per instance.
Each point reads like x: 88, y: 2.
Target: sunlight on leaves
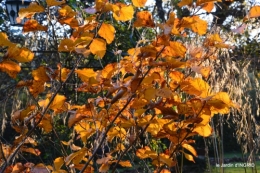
x: 254, y: 12
x: 139, y: 3
x: 107, y: 31
x: 33, y: 25
x: 10, y: 67
x: 54, y: 2
x: 123, y: 12
x: 144, y: 19
x: 98, y: 47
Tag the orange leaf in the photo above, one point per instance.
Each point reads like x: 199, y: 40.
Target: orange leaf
x: 54, y: 2
x: 176, y: 49
x: 31, y: 150
x: 123, y: 12
x: 126, y: 163
x: 162, y: 171
x: 40, y: 74
x: 4, y: 40
x: 185, y: 2
x: 46, y: 123
x: 254, y: 12
x: 104, y: 167
x: 85, y: 74
x: 200, y: 2
x: 58, y: 162
x: 20, y: 54
x: 36, y: 88
x: 195, y: 24
x: 10, y: 67
x: 144, y: 19
x: 107, y: 31
x: 30, y: 10
x: 33, y: 25
x: 208, y: 6
x: 103, y: 5
x: 64, y: 74
x: 98, y: 47
x: 18, y: 167
x: 139, y: 3
x: 67, y: 12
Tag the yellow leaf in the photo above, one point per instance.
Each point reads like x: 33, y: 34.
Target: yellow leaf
x: 123, y: 12
x: 164, y: 158
x: 176, y: 49
x: 203, y: 130
x: 58, y: 162
x: 220, y: 103
x: 190, y: 149
x: 30, y: 10
x: 116, y: 132
x: 20, y: 54
x: 196, y: 87
x: 10, y: 67
x: 109, y: 70
x: 107, y: 31
x: 33, y: 25
x: 76, y: 157
x: 98, y: 47
x: 66, y: 45
x: 58, y: 103
x: 185, y: 2
x: 254, y: 12
x: 64, y: 74
x: 85, y: 74
x: 54, y: 2
x: 139, y: 3
x: 126, y: 163
x: 216, y: 41
x: 4, y: 40
x: 188, y: 157
x: 144, y: 19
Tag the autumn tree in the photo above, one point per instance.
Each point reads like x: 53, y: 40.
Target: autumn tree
x: 148, y: 98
